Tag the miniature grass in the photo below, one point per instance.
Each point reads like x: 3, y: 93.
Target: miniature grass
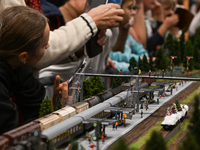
x: 183, y: 127
x: 191, y: 96
x: 142, y: 140
x: 160, y: 80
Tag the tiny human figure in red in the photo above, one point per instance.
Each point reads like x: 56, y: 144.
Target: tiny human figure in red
x: 102, y: 138
x: 92, y: 145
x: 189, y: 74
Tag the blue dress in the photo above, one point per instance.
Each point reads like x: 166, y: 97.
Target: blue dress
x: 132, y: 49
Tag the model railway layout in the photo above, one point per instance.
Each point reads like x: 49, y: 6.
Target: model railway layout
x: 73, y: 114
x: 62, y: 125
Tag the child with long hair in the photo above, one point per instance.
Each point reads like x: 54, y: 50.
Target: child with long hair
x: 24, y: 36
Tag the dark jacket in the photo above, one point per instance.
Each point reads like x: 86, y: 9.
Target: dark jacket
x: 28, y: 91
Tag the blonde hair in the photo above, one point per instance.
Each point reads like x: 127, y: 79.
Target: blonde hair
x: 169, y: 2
x: 22, y: 31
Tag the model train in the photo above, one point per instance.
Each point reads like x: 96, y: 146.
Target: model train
x: 70, y: 128
x: 30, y: 129
x: 173, y: 116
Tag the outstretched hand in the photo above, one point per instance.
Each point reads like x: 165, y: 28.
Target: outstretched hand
x: 110, y: 63
x: 60, y: 88
x: 107, y: 16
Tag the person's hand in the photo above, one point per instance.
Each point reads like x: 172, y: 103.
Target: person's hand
x: 101, y: 37
x: 107, y: 16
x: 110, y: 64
x: 171, y: 21
x: 157, y: 12
x: 60, y: 88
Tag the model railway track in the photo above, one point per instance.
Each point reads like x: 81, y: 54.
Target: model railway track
x: 143, y: 128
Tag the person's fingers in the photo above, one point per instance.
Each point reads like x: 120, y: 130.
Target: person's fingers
x: 57, y: 81
x: 113, y: 65
x: 101, y: 33
x: 64, y: 93
x: 102, y: 41
x: 114, y: 5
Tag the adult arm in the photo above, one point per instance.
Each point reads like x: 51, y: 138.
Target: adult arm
x: 69, y: 38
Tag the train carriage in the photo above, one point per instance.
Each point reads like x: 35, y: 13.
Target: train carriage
x: 94, y: 100
x: 4, y: 143
x: 48, y: 121
x: 22, y: 133
x: 62, y: 132
x: 119, y: 99
x: 105, y: 95
x: 80, y: 107
x: 65, y: 112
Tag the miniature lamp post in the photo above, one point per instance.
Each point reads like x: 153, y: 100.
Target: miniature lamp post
x: 172, y: 57
x: 188, y: 58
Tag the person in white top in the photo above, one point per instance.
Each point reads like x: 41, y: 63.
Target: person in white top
x: 69, y: 38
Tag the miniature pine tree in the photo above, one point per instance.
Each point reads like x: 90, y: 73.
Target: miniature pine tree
x: 59, y: 105
x: 196, y: 52
x: 188, y: 52
x: 140, y: 64
x: 189, y: 143
x: 178, y: 105
x: 194, y: 127
x: 97, y: 85
x: 162, y: 61
x: 155, y: 142
x: 145, y: 63
x: 87, y: 92
x: 116, y: 82
x: 176, y: 52
x: 182, y: 45
x: 133, y: 64
x: 121, y: 145
x: 46, y: 107
x: 169, y: 45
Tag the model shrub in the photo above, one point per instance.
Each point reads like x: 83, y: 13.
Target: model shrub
x: 46, y: 107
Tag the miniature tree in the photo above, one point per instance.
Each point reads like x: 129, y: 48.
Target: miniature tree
x: 162, y: 61
x: 87, y: 92
x: 140, y: 64
x: 189, y: 143
x: 155, y: 142
x: 182, y: 45
x: 133, y: 64
x: 121, y: 145
x: 196, y: 52
x: 176, y: 52
x: 116, y: 82
x: 169, y: 44
x: 59, y: 105
x: 92, y: 86
x: 46, y: 107
x: 145, y: 63
x: 178, y: 105
x: 195, y: 121
x: 97, y: 85
x: 188, y: 52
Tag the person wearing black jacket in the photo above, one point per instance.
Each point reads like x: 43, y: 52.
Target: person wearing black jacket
x: 24, y: 35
